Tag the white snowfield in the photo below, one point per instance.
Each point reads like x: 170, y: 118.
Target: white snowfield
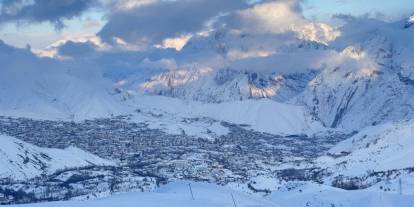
x: 20, y: 160
x: 209, y: 195
x: 315, y: 195
x: 172, y: 195
x: 377, y: 148
x: 262, y: 115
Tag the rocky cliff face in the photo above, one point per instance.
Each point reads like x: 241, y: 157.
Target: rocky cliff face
x: 227, y: 85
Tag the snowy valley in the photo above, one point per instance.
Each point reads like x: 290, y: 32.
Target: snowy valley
x: 294, y: 115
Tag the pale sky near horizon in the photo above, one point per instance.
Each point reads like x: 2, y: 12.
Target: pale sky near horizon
x: 43, y: 34
x: 389, y: 9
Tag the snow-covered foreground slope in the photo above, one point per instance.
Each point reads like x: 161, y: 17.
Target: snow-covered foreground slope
x: 209, y: 195
x: 314, y: 195
x: 378, y: 148
x: 172, y: 195
x: 20, y: 160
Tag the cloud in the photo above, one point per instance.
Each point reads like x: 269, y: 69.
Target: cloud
x: 317, y: 32
x: 239, y: 34
x: 285, y: 62
x: 277, y: 17
x: 268, y: 17
x: 177, y: 43
x: 252, y: 33
x: 37, y: 11
x: 65, y: 47
x: 151, y: 23
x: 120, y: 5
x: 164, y: 64
x: 77, y: 49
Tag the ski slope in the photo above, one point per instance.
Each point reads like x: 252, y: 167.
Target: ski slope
x: 315, y: 195
x: 172, y: 195
x: 209, y: 195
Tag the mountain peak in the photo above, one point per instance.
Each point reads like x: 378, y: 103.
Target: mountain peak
x: 409, y: 22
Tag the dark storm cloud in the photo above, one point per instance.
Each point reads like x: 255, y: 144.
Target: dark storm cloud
x: 165, y: 19
x: 76, y: 49
x: 36, y: 11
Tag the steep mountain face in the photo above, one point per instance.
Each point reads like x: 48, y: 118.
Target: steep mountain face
x: 227, y: 85
x: 353, y: 100
x: 20, y: 160
x: 371, y: 84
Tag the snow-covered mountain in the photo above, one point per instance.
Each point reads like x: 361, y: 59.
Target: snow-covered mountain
x: 371, y: 80
x: 21, y: 161
x: 227, y: 85
x: 409, y: 22
x: 362, y: 78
